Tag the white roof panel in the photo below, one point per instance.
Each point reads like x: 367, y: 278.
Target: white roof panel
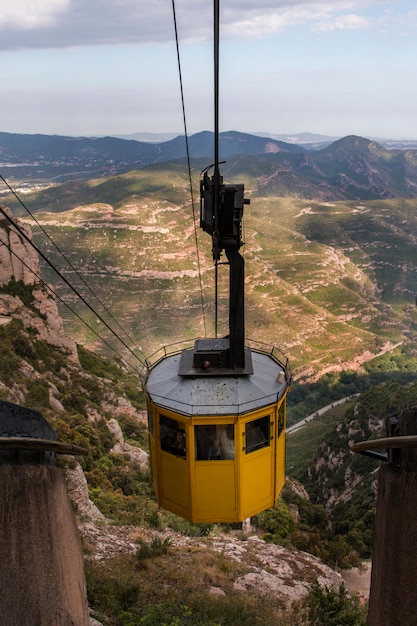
x: 216, y: 395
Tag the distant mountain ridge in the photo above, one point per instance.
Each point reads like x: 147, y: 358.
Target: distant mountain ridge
x: 351, y: 168
x: 21, y: 149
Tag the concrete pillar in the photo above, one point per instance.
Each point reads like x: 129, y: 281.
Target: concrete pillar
x: 42, y: 579
x: 393, y: 595
x: 41, y: 564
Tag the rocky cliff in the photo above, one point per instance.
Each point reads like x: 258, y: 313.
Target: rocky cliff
x: 18, y: 259
x: 19, y: 267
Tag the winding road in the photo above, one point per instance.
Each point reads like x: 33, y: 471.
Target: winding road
x: 309, y: 418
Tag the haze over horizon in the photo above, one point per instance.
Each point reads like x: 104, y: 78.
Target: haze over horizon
x: 331, y: 68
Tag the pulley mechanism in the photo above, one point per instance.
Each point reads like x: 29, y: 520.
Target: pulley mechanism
x: 221, y: 212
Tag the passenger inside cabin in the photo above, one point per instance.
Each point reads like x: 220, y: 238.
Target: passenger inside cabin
x: 224, y: 445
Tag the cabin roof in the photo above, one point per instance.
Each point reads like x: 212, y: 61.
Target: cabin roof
x: 216, y: 395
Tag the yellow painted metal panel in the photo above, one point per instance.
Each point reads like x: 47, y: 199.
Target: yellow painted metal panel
x: 280, y: 449
x: 216, y: 491
x: 153, y: 462
x: 257, y: 481
x: 174, y: 484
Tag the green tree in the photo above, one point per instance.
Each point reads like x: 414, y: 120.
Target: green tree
x: 333, y: 607
x: 278, y: 522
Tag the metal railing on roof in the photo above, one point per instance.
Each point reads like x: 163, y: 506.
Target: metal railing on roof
x: 176, y: 348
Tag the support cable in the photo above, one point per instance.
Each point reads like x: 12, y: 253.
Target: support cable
x: 216, y: 176
x: 74, y: 269
x: 66, y: 281
x: 189, y: 168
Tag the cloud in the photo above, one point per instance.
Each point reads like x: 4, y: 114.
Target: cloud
x: 71, y: 23
x: 26, y: 14
x: 343, y: 22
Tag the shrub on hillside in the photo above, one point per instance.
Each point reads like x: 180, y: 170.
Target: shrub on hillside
x: 333, y: 607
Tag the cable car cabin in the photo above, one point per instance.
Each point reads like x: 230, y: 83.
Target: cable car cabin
x: 217, y: 442
x: 217, y: 411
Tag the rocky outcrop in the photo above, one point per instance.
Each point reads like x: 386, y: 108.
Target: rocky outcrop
x: 44, y: 318
x: 18, y: 259
x: 136, y: 455
x: 78, y: 492
x: 19, y: 262
x: 286, y: 574
x: 275, y: 571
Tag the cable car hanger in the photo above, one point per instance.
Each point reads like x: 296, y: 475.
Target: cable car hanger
x: 221, y: 212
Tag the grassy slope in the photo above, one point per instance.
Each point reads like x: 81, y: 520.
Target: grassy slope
x: 325, y: 281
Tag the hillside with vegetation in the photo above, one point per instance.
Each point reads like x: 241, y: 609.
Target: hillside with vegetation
x: 330, y: 281
x: 144, y: 550
x: 144, y: 565
x: 331, y: 284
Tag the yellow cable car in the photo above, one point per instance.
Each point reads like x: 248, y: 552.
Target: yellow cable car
x: 217, y: 443
x: 217, y: 411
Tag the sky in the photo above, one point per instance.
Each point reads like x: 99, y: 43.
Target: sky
x: 109, y: 67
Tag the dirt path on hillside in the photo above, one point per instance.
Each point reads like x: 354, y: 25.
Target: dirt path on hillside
x: 353, y: 365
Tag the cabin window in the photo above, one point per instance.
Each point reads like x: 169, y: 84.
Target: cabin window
x: 281, y: 418
x: 257, y: 434
x: 215, y: 443
x: 172, y: 436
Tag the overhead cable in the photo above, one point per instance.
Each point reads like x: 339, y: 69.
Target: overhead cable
x: 74, y: 269
x: 51, y: 290
x: 67, y: 282
x: 189, y: 167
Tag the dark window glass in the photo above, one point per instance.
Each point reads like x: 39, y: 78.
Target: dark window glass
x: 257, y: 434
x: 215, y: 442
x: 172, y: 436
x: 205, y: 436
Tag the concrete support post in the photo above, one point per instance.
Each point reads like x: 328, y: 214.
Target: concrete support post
x: 393, y: 595
x: 42, y: 579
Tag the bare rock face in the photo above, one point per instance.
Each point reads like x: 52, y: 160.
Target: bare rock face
x: 52, y: 330
x: 18, y: 259
x: 136, y: 455
x: 281, y: 572
x: 116, y: 431
x: 78, y: 493
x: 48, y: 326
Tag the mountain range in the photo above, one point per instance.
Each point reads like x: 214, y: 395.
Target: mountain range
x: 329, y: 249
x: 349, y: 168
